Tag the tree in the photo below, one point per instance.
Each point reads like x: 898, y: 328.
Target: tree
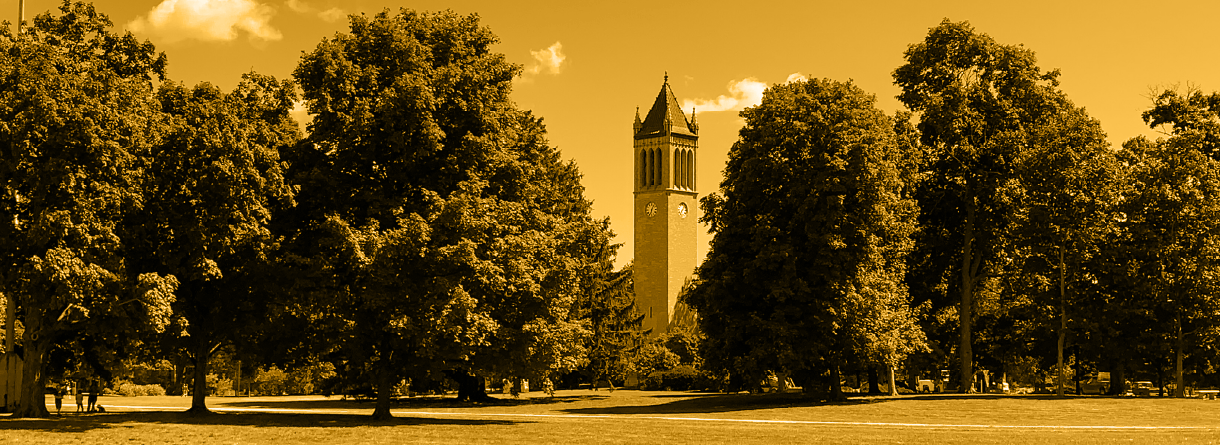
x: 1172, y: 222
x: 614, y: 322
x: 1188, y: 112
x: 216, y: 179
x: 811, y: 228
x: 1069, y: 196
x: 975, y: 99
x: 438, y: 229
x: 77, y: 120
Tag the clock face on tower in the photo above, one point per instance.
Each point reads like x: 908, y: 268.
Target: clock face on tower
x: 650, y: 209
x: 682, y: 209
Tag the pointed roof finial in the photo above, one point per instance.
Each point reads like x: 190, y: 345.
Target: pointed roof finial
x: 667, y: 77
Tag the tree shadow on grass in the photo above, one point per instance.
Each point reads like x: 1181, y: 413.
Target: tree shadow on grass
x: 405, y: 403
x: 76, y: 424
x: 689, y: 403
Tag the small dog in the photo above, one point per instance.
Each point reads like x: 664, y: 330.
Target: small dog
x: 100, y: 409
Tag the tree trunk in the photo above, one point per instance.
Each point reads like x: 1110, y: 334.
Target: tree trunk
x: 1180, y: 343
x: 874, y: 386
x: 912, y: 375
x: 471, y: 387
x: 1079, y: 370
x: 32, y: 401
x: 385, y: 387
x: 893, y: 382
x: 965, y: 310
x: 836, y: 384
x: 199, y: 387
x: 1118, y: 381
x: 1062, y: 321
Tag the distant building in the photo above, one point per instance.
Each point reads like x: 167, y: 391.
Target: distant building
x: 666, y: 206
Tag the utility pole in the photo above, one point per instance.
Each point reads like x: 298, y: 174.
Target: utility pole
x: 12, y: 363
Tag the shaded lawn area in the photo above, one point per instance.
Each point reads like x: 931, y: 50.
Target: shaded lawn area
x: 637, y: 417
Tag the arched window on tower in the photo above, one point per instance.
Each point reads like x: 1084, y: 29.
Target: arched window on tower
x: 660, y: 165
x: 677, y: 168
x: 643, y: 167
x: 648, y: 167
x: 686, y: 169
x: 682, y: 170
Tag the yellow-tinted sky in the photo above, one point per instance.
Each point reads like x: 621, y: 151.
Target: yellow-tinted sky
x: 614, y: 55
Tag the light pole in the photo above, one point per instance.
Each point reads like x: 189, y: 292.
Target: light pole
x: 12, y: 363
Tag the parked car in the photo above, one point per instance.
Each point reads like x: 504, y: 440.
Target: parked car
x: 1096, y: 384
x: 1142, y: 389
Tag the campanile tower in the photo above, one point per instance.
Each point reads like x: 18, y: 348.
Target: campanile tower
x: 666, y: 207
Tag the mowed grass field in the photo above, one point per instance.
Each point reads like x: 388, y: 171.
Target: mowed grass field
x: 635, y: 417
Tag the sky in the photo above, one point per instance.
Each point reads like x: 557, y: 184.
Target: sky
x: 588, y: 66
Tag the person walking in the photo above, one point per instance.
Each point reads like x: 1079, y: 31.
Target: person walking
x: 60, y: 389
x: 79, y: 392
x: 93, y: 390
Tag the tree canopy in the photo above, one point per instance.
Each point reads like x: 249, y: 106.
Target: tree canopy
x: 977, y: 101
x: 78, y: 122
x: 443, y: 233
x: 811, y: 224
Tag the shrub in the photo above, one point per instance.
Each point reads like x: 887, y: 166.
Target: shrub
x: 128, y: 389
x: 655, y: 357
x: 680, y: 378
x: 308, y: 379
x: 218, y: 386
x: 271, y: 381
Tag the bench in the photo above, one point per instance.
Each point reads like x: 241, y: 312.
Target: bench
x: 1209, y: 394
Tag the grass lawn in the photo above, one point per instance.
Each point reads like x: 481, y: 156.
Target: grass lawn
x: 636, y: 417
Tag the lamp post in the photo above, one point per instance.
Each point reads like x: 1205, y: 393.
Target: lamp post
x: 12, y: 363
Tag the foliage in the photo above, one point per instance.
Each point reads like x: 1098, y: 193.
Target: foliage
x: 976, y: 101
x: 128, y: 389
x: 216, y: 385
x: 78, y: 120
x: 216, y: 179
x: 616, y: 333
x: 271, y: 382
x: 1067, y: 210
x: 811, y: 228
x: 680, y: 378
x: 437, y: 230
x: 1189, y: 112
x: 653, y: 357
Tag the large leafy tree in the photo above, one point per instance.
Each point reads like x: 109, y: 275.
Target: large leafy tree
x: 438, y: 229
x: 615, y: 324
x: 1172, y: 214
x: 1191, y: 112
x: 1069, y: 197
x: 77, y: 123
x: 812, y: 223
x: 215, y: 180
x: 976, y: 100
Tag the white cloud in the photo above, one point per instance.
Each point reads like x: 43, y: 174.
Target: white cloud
x: 743, y: 94
x: 550, y: 59
x: 298, y: 6
x: 329, y: 15
x: 207, y: 20
x: 332, y: 14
